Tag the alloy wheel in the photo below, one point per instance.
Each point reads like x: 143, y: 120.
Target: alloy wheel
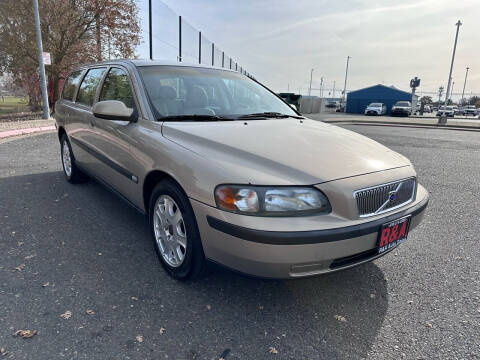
x: 169, y: 229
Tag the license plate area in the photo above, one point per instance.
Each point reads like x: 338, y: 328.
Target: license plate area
x: 392, y: 234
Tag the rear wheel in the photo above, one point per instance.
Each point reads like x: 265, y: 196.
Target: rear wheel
x: 175, y: 232
x: 71, y: 171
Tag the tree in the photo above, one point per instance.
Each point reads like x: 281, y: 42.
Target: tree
x: 426, y: 100
x: 113, y: 25
x: 473, y: 100
x: 68, y: 32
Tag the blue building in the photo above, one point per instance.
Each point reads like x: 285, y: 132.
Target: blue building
x: 358, y: 100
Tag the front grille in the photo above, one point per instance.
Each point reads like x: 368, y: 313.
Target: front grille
x: 382, y: 198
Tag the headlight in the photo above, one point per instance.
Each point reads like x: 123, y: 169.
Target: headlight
x: 271, y: 201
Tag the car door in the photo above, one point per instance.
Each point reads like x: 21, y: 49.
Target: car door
x: 80, y: 130
x: 111, y: 139
x: 66, y: 112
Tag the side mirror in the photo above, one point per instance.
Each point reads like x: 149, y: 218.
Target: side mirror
x: 113, y: 110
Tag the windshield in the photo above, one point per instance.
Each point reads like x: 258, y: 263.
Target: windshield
x: 180, y: 90
x: 402, y: 103
x: 375, y: 105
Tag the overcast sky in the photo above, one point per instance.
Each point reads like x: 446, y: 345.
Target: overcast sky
x: 389, y: 41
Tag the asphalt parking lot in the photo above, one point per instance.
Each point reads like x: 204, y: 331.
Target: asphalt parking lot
x: 78, y: 266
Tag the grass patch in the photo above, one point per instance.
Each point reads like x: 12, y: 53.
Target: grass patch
x: 13, y: 104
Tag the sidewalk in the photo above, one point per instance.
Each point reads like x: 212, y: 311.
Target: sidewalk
x: 17, y: 128
x: 425, y: 122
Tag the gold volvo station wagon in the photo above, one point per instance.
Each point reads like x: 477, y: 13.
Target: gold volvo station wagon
x: 227, y: 172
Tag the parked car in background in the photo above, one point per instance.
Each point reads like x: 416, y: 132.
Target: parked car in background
x: 376, y: 109
x: 332, y: 104
x: 426, y: 108
x: 447, y: 111
x: 198, y: 150
x: 457, y: 111
x: 469, y: 110
x: 401, y: 108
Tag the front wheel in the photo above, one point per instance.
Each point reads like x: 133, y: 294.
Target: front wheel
x: 175, y: 232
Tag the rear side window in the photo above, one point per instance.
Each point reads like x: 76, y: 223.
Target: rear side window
x: 71, y: 84
x: 117, y: 87
x: 88, y: 87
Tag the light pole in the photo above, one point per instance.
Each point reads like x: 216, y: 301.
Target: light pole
x: 310, y: 87
x: 451, y: 92
x: 464, y: 83
x: 41, y: 65
x: 345, y: 85
x: 440, y: 92
x: 443, y: 118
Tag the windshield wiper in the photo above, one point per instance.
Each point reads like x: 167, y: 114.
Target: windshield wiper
x: 194, y: 117
x: 269, y: 114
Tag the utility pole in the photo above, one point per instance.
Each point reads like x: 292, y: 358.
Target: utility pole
x: 345, y: 85
x: 443, y: 118
x: 333, y: 95
x: 310, y: 88
x: 464, y: 83
x: 41, y: 65
x: 451, y: 92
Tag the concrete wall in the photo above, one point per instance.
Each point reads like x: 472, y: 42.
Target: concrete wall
x: 311, y: 105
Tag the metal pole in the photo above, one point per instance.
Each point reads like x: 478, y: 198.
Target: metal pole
x: 180, y: 38
x: 288, y: 87
x: 451, y: 92
x: 41, y: 65
x: 213, y: 54
x: 230, y: 63
x: 321, y: 87
x: 464, y: 83
x: 333, y: 95
x: 150, y: 28
x: 443, y: 119
x: 199, y: 47
x: 310, y: 87
x: 223, y: 59
x: 345, y: 85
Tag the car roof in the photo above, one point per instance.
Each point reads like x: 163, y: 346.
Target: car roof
x: 148, y: 62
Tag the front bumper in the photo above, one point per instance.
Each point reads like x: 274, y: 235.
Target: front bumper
x: 292, y: 254
x: 400, y: 112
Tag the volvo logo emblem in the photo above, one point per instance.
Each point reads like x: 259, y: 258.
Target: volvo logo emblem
x: 392, y: 195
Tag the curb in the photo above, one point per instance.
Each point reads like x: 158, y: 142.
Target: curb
x: 407, y: 125
x: 19, y: 132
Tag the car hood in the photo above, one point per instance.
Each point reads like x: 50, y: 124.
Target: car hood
x: 283, y: 151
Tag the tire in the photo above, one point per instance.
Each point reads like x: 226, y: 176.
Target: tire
x: 166, y: 201
x: 71, y: 171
